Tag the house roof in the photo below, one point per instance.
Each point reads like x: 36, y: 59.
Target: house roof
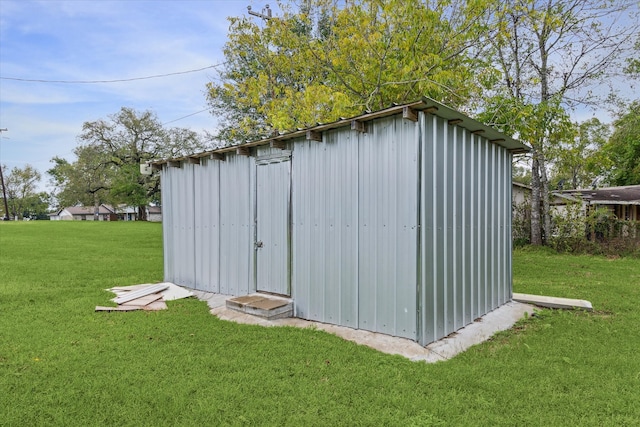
x: 407, y: 110
x: 563, y: 197
x: 87, y: 210
x: 625, y: 195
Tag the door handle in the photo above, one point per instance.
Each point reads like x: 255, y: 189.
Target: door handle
x: 258, y: 244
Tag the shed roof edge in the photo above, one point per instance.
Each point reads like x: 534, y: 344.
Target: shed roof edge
x: 462, y: 120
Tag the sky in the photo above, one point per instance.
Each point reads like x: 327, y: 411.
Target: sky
x: 96, y: 40
x: 102, y: 40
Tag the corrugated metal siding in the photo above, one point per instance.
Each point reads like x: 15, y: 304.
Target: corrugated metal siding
x: 388, y: 227
x: 178, y: 225
x: 466, y: 218
x: 237, y: 177
x: 207, y: 225
x: 167, y: 197
x: 325, y: 229
x: 403, y: 230
x: 355, y: 228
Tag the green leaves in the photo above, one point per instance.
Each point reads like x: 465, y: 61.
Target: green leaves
x: 109, y: 157
x: 323, y: 62
x: 624, y: 147
x: 20, y: 191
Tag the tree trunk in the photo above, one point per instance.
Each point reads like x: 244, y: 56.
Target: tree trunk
x: 544, y: 195
x: 142, y: 213
x: 96, y: 207
x: 536, y: 234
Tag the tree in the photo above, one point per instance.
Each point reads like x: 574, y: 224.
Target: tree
x: 87, y: 181
x: 115, y: 148
x: 623, y: 148
x: 633, y: 63
x: 549, y: 52
x: 20, y: 187
x: 37, y: 206
x: 581, y: 161
x: 323, y: 62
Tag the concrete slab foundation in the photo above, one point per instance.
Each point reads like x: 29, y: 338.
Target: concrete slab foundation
x: 500, y: 319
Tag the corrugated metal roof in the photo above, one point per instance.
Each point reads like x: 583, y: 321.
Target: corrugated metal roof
x: 426, y: 104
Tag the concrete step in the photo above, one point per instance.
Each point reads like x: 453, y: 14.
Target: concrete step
x: 265, y: 306
x: 553, y: 302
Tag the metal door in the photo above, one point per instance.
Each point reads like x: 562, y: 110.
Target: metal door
x: 273, y: 176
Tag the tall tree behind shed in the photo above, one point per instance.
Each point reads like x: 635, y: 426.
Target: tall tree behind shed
x: 323, y: 61
x: 550, y: 53
x: 129, y: 138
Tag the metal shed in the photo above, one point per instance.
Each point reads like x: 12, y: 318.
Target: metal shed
x: 396, y: 221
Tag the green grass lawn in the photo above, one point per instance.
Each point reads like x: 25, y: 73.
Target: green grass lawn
x: 63, y: 364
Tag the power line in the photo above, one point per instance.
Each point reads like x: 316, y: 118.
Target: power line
x: 111, y: 81
x: 184, y: 117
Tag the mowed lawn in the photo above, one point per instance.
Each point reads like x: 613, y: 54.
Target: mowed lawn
x: 61, y: 363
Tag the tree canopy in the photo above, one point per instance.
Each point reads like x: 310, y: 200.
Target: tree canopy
x: 23, y: 200
x: 107, y: 168
x: 581, y: 161
x: 623, y: 148
x: 321, y: 62
x: 549, y: 54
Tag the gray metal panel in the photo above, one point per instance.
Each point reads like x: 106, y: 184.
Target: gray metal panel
x: 324, y: 228
x: 483, y: 249
x: 272, y: 225
x: 388, y: 227
x: 167, y: 223
x: 465, y: 217
x: 207, y: 225
x: 236, y: 225
x: 466, y: 228
x: 179, y: 226
x: 457, y: 252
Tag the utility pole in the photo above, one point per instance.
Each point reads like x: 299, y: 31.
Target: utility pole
x: 4, y: 192
x: 266, y: 13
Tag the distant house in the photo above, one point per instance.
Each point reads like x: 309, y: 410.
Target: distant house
x: 521, y: 195
x: 127, y: 213
x: 105, y: 213
x: 521, y: 204
x: 130, y: 213
x: 623, y: 202
x: 154, y: 214
x: 84, y: 213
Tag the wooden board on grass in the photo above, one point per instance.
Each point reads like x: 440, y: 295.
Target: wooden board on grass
x: 118, y: 308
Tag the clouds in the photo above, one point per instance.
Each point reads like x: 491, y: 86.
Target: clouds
x: 102, y: 40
